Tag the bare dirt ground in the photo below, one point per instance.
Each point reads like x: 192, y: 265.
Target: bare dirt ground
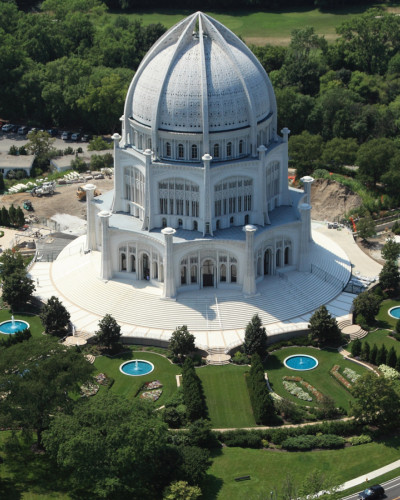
x: 331, y: 200
x: 64, y: 200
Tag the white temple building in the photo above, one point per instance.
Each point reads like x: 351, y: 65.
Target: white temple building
x: 201, y: 194
x: 201, y: 227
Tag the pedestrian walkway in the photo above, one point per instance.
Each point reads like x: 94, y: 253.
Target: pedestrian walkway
x: 369, y: 475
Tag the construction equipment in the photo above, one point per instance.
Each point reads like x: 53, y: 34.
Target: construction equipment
x: 81, y: 193
x: 45, y: 188
x: 28, y: 206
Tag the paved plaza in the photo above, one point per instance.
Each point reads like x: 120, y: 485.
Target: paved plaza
x: 216, y: 317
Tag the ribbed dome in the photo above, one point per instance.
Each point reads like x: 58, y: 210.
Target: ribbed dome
x: 200, y: 78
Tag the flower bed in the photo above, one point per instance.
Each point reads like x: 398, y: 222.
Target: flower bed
x: 339, y: 377
x: 89, y: 389
x: 308, y: 386
x: 351, y: 375
x: 155, y: 384
x: 295, y: 390
x: 101, y: 379
x: 151, y: 395
x: 389, y: 372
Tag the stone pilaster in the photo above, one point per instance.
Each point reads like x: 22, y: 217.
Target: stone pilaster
x: 90, y: 219
x: 118, y: 176
x: 249, y: 279
x: 305, y: 238
x: 106, y: 268
x: 285, y: 199
x: 169, y: 290
x: 207, y: 198
x: 262, y: 152
x: 147, y: 219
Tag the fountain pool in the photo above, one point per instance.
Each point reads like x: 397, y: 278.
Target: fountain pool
x: 394, y: 312
x: 13, y: 326
x: 300, y: 362
x: 136, y: 367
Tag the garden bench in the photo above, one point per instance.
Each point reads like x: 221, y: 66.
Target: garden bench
x: 242, y: 478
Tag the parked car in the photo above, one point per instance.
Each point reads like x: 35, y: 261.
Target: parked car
x: 86, y: 138
x: 53, y: 132
x: 7, y: 127
x: 66, y: 136
x: 372, y: 492
x: 14, y: 129
x: 23, y: 130
x: 76, y: 136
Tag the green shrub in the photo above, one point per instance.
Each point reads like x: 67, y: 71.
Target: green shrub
x: 240, y: 358
x: 398, y: 326
x: 68, y: 151
x: 308, y: 442
x: 360, y: 320
x: 362, y: 439
x: 241, y: 439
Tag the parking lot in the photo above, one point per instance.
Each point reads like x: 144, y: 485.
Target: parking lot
x: 7, y: 140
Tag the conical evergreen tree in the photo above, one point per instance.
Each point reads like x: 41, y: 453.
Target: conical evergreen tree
x: 381, y: 356
x: 365, y: 352
x: 373, y: 354
x: 391, y: 358
x: 356, y: 348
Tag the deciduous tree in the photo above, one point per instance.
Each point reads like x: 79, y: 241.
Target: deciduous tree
x: 54, y: 316
x: 109, y: 332
x: 324, y: 328
x: 182, y: 342
x: 18, y: 289
x: 375, y: 401
x: 367, y: 304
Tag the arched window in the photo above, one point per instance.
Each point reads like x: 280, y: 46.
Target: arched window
x: 229, y: 149
x: 149, y: 143
x: 195, y: 225
x: 194, y: 152
x: 241, y: 147
x: 216, y: 150
x: 168, y: 149
x: 181, y: 151
x: 222, y: 274
x: 233, y: 274
x: 123, y: 261
x: 180, y: 223
x: 246, y: 219
x: 183, y: 275
x: 133, y: 264
x: 164, y: 222
x: 286, y: 256
x: 232, y: 220
x: 218, y: 224
x: 278, y: 257
x: 193, y: 274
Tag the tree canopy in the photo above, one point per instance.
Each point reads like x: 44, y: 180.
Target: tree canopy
x: 109, y: 332
x: 38, y: 377
x: 324, y: 328
x: 182, y: 342
x: 54, y: 316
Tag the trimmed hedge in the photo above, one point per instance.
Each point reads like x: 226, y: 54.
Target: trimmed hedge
x: 307, y: 442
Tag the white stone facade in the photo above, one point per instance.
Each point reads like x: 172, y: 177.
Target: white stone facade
x: 201, y: 194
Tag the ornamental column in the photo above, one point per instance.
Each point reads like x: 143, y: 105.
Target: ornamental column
x: 207, y: 228
x: 105, y: 272
x: 305, y: 238
x: 169, y: 290
x: 90, y: 219
x: 285, y: 199
x: 249, y: 280
x: 118, y: 176
x: 147, y: 219
x: 307, y: 181
x: 262, y: 152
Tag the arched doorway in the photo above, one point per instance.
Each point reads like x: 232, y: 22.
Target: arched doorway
x: 145, y: 267
x: 207, y: 272
x: 267, y: 261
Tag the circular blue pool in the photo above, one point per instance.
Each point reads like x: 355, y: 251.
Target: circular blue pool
x: 136, y: 367
x: 300, y: 362
x: 13, y: 326
x: 394, y: 312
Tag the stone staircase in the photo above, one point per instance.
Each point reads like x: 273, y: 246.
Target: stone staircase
x: 217, y: 356
x: 354, y: 331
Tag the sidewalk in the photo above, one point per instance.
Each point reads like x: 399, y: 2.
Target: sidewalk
x: 369, y: 475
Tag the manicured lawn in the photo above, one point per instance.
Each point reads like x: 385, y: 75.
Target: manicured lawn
x: 268, y: 469
x: 127, y: 386
x: 319, y: 377
x: 261, y: 27
x: 384, y: 321
x: 227, y: 396
x: 36, y: 326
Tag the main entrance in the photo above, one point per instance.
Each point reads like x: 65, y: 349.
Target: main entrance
x: 208, y: 273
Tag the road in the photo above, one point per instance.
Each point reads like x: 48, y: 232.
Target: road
x: 392, y: 490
